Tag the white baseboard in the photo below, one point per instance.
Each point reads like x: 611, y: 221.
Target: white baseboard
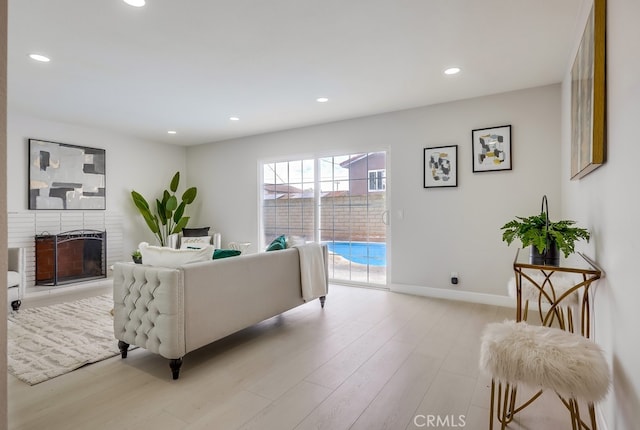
x: 464, y: 296
x: 41, y: 296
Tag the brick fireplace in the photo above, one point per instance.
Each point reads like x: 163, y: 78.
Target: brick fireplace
x: 72, y: 256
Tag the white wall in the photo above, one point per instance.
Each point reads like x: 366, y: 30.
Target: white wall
x: 131, y: 163
x: 443, y: 230
x: 607, y: 201
x: 3, y: 211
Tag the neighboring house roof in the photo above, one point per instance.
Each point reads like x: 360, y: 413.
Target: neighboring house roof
x: 281, y: 188
x: 303, y: 195
x: 300, y: 194
x: 353, y: 159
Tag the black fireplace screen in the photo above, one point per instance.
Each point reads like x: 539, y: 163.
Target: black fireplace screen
x: 72, y: 256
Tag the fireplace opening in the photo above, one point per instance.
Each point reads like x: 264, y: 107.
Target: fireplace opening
x: 71, y: 256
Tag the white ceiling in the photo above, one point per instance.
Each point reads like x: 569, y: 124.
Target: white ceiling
x: 188, y: 65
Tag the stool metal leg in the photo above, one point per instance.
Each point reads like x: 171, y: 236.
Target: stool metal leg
x: 577, y: 423
x: 501, y: 406
x: 569, y: 405
x: 575, y: 414
x: 493, y: 393
x: 577, y: 409
x: 592, y: 415
x: 504, y: 416
x: 505, y: 408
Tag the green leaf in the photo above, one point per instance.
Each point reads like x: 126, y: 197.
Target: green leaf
x: 161, y: 211
x: 508, y: 236
x: 174, y: 182
x: 171, y: 205
x: 179, y: 212
x: 152, y: 222
x: 165, y: 197
x: 139, y: 201
x: 180, y: 225
x: 190, y: 195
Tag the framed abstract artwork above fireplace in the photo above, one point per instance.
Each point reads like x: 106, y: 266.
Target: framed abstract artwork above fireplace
x: 66, y: 177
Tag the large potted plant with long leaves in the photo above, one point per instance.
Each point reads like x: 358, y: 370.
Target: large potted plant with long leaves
x: 169, y: 214
x: 545, y: 237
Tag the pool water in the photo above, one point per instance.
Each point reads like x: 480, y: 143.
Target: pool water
x: 371, y: 253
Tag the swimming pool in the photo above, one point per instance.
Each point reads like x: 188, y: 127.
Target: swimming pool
x: 371, y: 253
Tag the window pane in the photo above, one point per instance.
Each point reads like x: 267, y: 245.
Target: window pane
x: 268, y: 173
x: 377, y: 180
x: 308, y: 171
x: 357, y: 165
x: 281, y: 173
x: 326, y: 169
x: 372, y: 181
x: 359, y: 187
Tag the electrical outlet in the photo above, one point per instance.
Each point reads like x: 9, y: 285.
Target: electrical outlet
x: 454, y: 278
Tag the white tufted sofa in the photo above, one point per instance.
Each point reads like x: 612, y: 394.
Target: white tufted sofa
x: 174, y: 311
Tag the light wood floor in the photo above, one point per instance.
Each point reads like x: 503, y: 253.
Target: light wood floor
x: 370, y: 360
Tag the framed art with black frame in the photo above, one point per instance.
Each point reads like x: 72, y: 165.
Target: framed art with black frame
x: 491, y: 148
x: 63, y: 176
x: 441, y: 166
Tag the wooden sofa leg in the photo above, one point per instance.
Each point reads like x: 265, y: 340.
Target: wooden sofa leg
x: 123, y: 348
x: 175, y: 364
x: 322, y: 299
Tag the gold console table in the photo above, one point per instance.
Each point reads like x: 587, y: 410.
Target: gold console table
x: 558, y: 289
x: 563, y: 297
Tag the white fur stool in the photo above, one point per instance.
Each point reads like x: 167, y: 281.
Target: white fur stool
x: 546, y: 358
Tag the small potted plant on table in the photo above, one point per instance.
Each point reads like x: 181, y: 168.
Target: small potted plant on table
x: 545, y: 237
x: 136, y: 256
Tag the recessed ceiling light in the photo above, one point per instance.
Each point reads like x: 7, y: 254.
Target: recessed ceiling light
x: 322, y: 99
x: 135, y: 3
x: 171, y: 132
x: 452, y: 71
x: 40, y: 58
x: 234, y: 118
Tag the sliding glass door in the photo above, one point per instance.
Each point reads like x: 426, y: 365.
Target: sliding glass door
x: 337, y: 200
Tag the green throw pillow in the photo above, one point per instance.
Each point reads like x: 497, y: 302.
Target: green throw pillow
x: 224, y: 253
x: 279, y: 242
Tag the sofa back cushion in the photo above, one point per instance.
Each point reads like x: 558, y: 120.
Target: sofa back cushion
x: 196, y: 242
x: 169, y: 257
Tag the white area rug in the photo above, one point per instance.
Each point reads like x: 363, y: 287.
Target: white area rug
x: 50, y: 341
